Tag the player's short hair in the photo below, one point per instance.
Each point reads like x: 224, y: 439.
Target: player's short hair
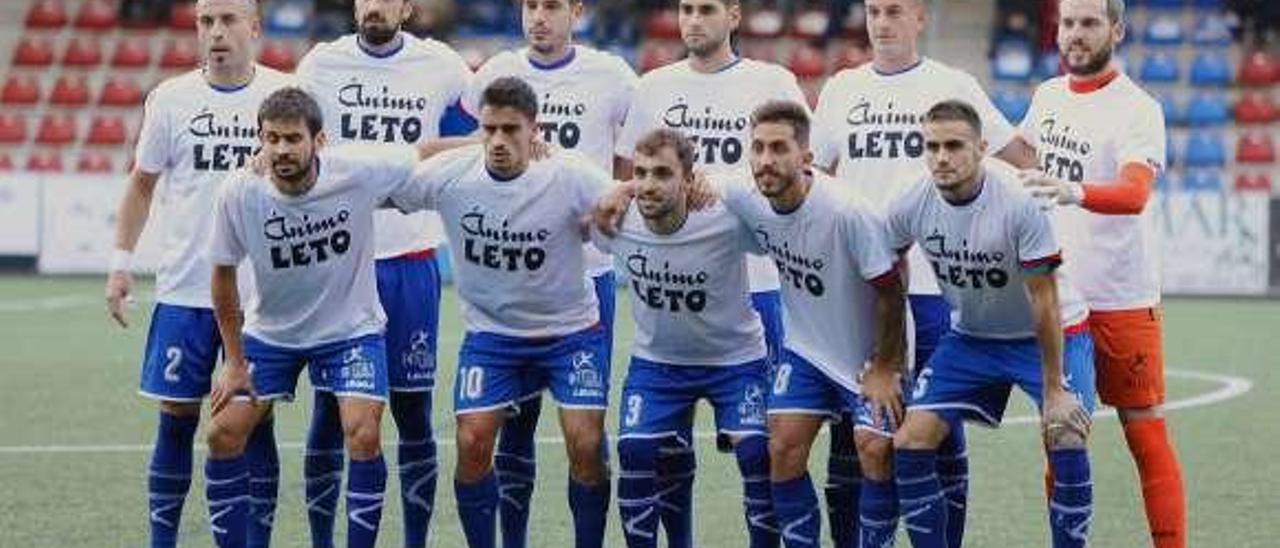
x: 1115, y: 10
x: 512, y: 92
x: 954, y: 110
x: 661, y: 138
x: 290, y: 104
x: 784, y: 112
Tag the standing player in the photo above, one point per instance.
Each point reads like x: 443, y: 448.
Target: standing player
x: 583, y: 97
x: 306, y: 231
x: 197, y: 127
x: 709, y: 97
x: 532, y: 323
x: 843, y: 307
x: 868, y: 134
x: 382, y: 85
x: 1102, y: 141
x: 1017, y: 322
x: 696, y: 337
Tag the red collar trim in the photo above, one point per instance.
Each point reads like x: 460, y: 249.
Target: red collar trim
x: 1094, y: 83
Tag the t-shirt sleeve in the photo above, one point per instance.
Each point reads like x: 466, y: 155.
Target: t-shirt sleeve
x: 457, y: 119
x: 155, y: 139
x: 871, y: 249
x: 824, y: 135
x: 996, y: 129
x: 387, y: 169
x: 426, y: 181
x: 226, y: 246
x: 898, y: 222
x: 747, y: 241
x: 590, y: 183
x: 633, y: 127
x: 1143, y: 141
x: 1033, y: 232
x: 476, y: 84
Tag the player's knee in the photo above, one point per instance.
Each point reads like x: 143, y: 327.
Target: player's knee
x: 475, y: 450
x: 920, y: 430
x: 788, y: 459
x: 585, y: 463
x: 875, y: 455
x: 226, y: 440
x: 364, y: 438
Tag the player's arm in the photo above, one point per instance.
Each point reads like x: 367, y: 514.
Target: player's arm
x: 881, y: 383
x: 131, y: 218
x: 1019, y: 153
x: 1127, y: 195
x: 1062, y: 412
x: 234, y: 378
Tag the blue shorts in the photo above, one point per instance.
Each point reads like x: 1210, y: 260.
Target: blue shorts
x: 409, y: 289
x: 800, y: 388
x: 768, y: 305
x: 931, y: 316
x: 970, y: 378
x: 355, y: 368
x: 181, y: 353
x: 658, y: 399
x: 606, y: 284
x: 497, y: 371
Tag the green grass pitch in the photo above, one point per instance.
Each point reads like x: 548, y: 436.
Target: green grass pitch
x: 73, y: 438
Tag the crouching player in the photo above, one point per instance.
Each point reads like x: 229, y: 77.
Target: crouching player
x: 1016, y: 322
x: 697, y: 337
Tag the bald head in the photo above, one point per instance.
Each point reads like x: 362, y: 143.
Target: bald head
x: 228, y: 31
x: 1115, y: 9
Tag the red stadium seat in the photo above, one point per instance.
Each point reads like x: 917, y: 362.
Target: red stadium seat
x: 1256, y: 108
x: 33, y: 51
x: 1255, y: 148
x: 759, y: 50
x: 13, y: 128
x: 183, y: 16
x: 657, y: 55
x: 20, y: 89
x: 131, y: 53
x: 663, y: 24
x: 47, y: 14
x: 94, y: 162
x: 6, y: 161
x: 764, y: 23
x: 1258, y: 182
x: 44, y: 161
x: 1259, y: 69
x: 278, y: 55
x: 107, y: 130
x: 83, y: 52
x: 56, y: 130
x: 70, y: 91
x: 809, y: 24
x: 807, y: 63
x: 179, y: 54
x: 97, y: 15
x: 120, y: 92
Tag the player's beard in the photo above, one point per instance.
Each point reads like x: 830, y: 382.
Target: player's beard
x: 376, y: 31
x: 707, y: 47
x: 777, y: 185
x: 1095, y: 64
x: 295, y: 174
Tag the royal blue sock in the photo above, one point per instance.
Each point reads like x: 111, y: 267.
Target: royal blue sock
x: 322, y: 468
x: 367, y: 480
x: 1071, y: 505
x: 477, y: 508
x: 752, y: 453
x: 590, y: 507
x: 515, y: 465
x: 227, y: 492
x: 676, y: 471
x: 416, y: 458
x: 169, y: 476
x: 637, y: 491
x: 878, y: 514
x: 920, y: 499
x: 263, y: 460
x: 953, y: 472
x: 844, y: 483
x: 796, y: 504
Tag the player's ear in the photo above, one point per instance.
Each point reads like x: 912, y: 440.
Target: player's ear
x: 807, y: 158
x: 982, y: 147
x: 577, y: 7
x: 322, y: 139
x: 406, y: 11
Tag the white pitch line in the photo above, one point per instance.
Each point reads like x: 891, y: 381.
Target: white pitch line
x: 1231, y: 387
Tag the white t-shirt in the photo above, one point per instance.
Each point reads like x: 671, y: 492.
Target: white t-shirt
x: 311, y: 255
x: 194, y: 135
x: 516, y: 244
x: 715, y: 110
x: 1089, y: 137
x: 869, y: 125
x: 582, y: 102
x: 689, y: 295
x: 980, y: 251
x: 827, y: 251
x: 398, y: 98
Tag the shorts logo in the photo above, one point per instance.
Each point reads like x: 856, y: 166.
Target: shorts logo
x: 357, y: 371
x: 585, y: 379
x: 419, y: 362
x: 752, y: 408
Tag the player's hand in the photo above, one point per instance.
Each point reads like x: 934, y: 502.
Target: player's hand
x: 119, y: 295
x: 259, y: 163
x: 700, y: 193
x: 232, y: 381
x: 1051, y: 189
x: 540, y: 150
x: 1062, y: 410
x: 607, y: 215
x: 882, y: 388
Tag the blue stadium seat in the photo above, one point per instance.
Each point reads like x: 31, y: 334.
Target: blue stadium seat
x: 1170, y: 151
x: 1013, y: 61
x: 1165, y: 3
x: 1201, y: 180
x: 1205, y: 149
x: 1211, y: 30
x: 1207, y: 4
x: 1048, y: 65
x: 1164, y: 30
x: 1211, y: 68
x: 1208, y: 110
x: 289, y: 19
x: 1165, y: 181
x: 1013, y: 104
x: 1159, y: 68
x: 1174, y: 114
